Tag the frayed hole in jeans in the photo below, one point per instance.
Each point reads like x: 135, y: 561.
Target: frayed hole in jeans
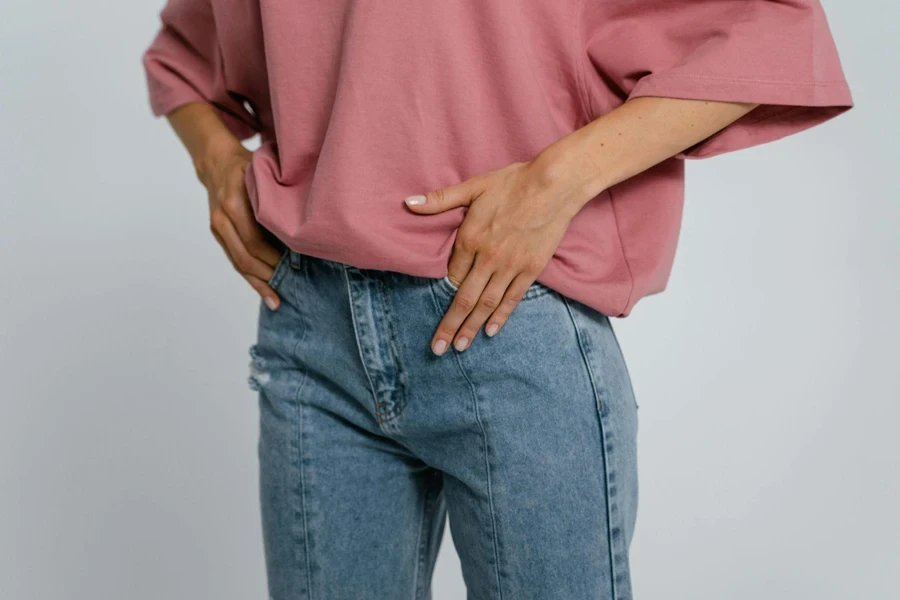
x: 259, y: 377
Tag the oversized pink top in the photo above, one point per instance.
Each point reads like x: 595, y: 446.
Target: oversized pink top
x: 362, y: 103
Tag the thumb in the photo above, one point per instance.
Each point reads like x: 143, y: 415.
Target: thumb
x: 444, y: 199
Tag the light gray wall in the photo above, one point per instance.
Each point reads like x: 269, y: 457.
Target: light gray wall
x: 767, y: 373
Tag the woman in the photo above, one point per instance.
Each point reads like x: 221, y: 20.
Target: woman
x: 493, y: 179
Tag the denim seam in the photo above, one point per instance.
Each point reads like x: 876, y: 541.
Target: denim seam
x: 359, y: 346
x: 302, y: 492
x: 419, y: 542
x: 301, y: 316
x: 535, y: 290
x: 487, y: 468
x: 420, y: 586
x: 436, y: 301
x: 299, y: 450
x: 279, y: 271
x: 603, y: 445
x: 398, y: 406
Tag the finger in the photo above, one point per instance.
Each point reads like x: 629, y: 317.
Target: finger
x: 464, y: 302
x: 240, y: 212
x: 462, y: 257
x: 490, y: 300
x: 265, y: 292
x: 437, y: 201
x: 246, y: 263
x: 269, y: 296
x: 224, y: 248
x: 511, y: 299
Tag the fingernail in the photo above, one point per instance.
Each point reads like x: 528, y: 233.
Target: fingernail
x: 462, y: 343
x: 492, y: 329
x: 271, y: 303
x: 415, y: 200
x: 440, y: 347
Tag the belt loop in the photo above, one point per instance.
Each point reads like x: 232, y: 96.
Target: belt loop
x: 297, y: 260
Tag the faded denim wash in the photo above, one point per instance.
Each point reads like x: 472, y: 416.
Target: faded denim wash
x: 526, y: 442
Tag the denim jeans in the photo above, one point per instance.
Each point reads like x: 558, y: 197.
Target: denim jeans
x: 524, y: 442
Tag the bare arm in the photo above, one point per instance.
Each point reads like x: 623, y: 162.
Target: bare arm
x: 629, y: 140
x: 204, y: 135
x: 220, y: 160
x: 518, y: 214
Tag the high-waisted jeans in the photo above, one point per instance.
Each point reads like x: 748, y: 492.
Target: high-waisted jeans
x: 525, y: 442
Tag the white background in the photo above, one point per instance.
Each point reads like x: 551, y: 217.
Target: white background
x: 767, y: 373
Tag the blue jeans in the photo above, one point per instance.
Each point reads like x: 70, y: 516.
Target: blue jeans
x: 368, y: 442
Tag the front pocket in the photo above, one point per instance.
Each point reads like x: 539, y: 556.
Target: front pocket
x: 535, y: 290
x: 280, y: 269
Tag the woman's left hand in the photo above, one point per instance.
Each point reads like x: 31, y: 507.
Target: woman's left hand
x: 515, y: 220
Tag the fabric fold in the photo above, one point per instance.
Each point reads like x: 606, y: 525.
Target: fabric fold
x: 776, y: 53
x: 183, y: 64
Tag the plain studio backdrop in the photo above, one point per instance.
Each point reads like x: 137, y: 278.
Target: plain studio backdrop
x: 767, y: 374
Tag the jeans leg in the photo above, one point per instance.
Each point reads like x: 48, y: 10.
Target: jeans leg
x: 537, y: 441
x: 347, y: 512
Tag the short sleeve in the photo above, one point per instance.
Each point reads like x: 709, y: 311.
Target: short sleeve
x: 776, y: 53
x: 183, y: 64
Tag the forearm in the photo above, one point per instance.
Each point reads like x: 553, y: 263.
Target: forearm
x: 628, y: 140
x: 204, y: 135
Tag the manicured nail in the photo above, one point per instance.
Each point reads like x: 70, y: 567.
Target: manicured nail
x: 440, y: 347
x: 492, y: 329
x: 462, y: 343
x: 415, y: 200
x: 271, y: 303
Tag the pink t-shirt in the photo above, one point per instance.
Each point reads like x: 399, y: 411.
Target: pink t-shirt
x: 361, y: 104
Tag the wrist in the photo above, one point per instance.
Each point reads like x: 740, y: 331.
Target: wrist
x: 215, y: 152
x: 569, y: 173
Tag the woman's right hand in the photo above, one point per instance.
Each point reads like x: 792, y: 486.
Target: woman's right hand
x: 233, y: 224
x: 220, y: 161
